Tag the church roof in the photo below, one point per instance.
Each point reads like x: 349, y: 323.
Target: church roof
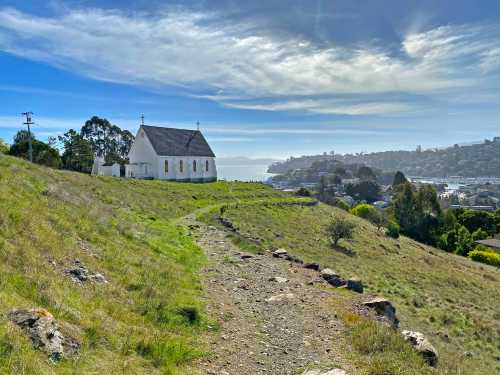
x: 177, y: 142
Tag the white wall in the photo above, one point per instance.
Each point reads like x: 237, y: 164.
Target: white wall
x: 188, y: 173
x: 142, y: 152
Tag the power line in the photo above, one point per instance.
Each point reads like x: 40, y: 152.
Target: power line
x: 29, y: 122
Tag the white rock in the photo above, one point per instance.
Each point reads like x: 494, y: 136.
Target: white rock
x: 278, y: 279
x: 334, y: 371
x: 281, y: 297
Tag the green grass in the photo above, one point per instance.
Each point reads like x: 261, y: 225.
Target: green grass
x: 148, y: 318
x: 451, y: 299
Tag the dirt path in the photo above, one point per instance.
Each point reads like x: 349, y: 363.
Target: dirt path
x: 267, y: 327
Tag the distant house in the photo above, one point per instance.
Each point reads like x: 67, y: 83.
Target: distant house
x: 171, y: 154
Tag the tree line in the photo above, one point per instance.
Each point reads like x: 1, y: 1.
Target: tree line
x: 75, y: 150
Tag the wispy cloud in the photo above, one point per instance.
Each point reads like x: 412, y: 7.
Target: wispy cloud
x: 199, y: 53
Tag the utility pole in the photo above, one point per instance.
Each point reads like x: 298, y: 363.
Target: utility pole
x: 30, y: 143
x: 142, y: 119
x: 198, y: 125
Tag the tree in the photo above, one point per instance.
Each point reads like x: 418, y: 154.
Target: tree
x: 366, y: 173
x: 107, y: 140
x: 340, y: 229
x: 42, y: 153
x: 303, y: 192
x: 23, y: 135
x: 399, y: 179
x: 368, y: 191
x: 78, y: 154
x: 463, y: 241
x: 474, y: 220
x: 4, y: 147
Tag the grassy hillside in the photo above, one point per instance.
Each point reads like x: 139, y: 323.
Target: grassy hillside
x: 149, y: 317
x: 451, y: 299
x: 142, y: 320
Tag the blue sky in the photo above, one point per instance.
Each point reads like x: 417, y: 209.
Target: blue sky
x: 266, y: 79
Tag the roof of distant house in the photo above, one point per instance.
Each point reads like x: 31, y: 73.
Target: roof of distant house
x: 177, y: 142
x: 491, y: 242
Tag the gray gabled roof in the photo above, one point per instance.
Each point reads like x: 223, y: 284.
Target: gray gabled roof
x: 177, y: 142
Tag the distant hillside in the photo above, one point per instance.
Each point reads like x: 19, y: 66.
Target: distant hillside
x: 476, y: 160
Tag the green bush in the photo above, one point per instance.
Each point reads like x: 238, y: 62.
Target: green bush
x: 303, y: 192
x: 4, y: 148
x: 340, y: 203
x: 487, y: 257
x: 364, y: 210
x: 392, y: 230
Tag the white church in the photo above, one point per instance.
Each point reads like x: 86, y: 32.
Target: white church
x: 166, y: 154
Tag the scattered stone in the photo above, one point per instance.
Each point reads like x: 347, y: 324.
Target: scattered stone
x: 312, y: 266
x: 332, y: 278
x: 81, y: 274
x: 328, y: 273
x: 383, y: 308
x: 422, y: 346
x: 280, y: 253
x: 43, y: 330
x: 334, y: 371
x: 281, y: 297
x: 278, y: 279
x: 355, y: 285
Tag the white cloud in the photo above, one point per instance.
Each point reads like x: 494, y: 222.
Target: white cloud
x: 198, y: 53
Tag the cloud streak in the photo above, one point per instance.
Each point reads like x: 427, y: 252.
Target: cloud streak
x: 199, y: 54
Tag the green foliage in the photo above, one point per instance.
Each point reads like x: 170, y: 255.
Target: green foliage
x: 479, y: 234
x: 463, y: 241
x: 365, y: 173
x: 4, y: 147
x: 42, y: 153
x: 418, y: 213
x: 367, y: 190
x: 107, y: 140
x: 392, y: 230
x: 340, y: 228
x: 340, y: 203
x: 487, y: 257
x: 303, y: 192
x: 78, y: 153
x: 474, y: 220
x: 399, y: 179
x: 23, y: 136
x: 364, y: 210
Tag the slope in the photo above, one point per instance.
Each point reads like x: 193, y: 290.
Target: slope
x: 148, y: 316
x: 452, y: 300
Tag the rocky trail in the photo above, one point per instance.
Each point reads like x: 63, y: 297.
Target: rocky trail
x: 276, y: 316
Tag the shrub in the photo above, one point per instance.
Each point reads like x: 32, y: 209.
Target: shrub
x: 487, y: 257
x: 4, y: 148
x: 340, y: 228
x: 303, y: 192
x: 340, y: 203
x: 364, y: 210
x: 392, y: 230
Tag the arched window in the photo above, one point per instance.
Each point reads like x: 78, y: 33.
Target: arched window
x: 181, y: 166
x: 166, y: 166
x: 206, y: 165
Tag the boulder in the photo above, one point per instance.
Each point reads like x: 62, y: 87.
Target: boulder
x: 334, y: 371
x: 43, y: 330
x: 332, y: 277
x: 384, y: 309
x: 312, y: 266
x: 280, y: 253
x: 355, y: 285
x: 422, y: 346
x: 81, y: 274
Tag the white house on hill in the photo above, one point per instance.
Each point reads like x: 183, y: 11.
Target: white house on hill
x: 171, y: 154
